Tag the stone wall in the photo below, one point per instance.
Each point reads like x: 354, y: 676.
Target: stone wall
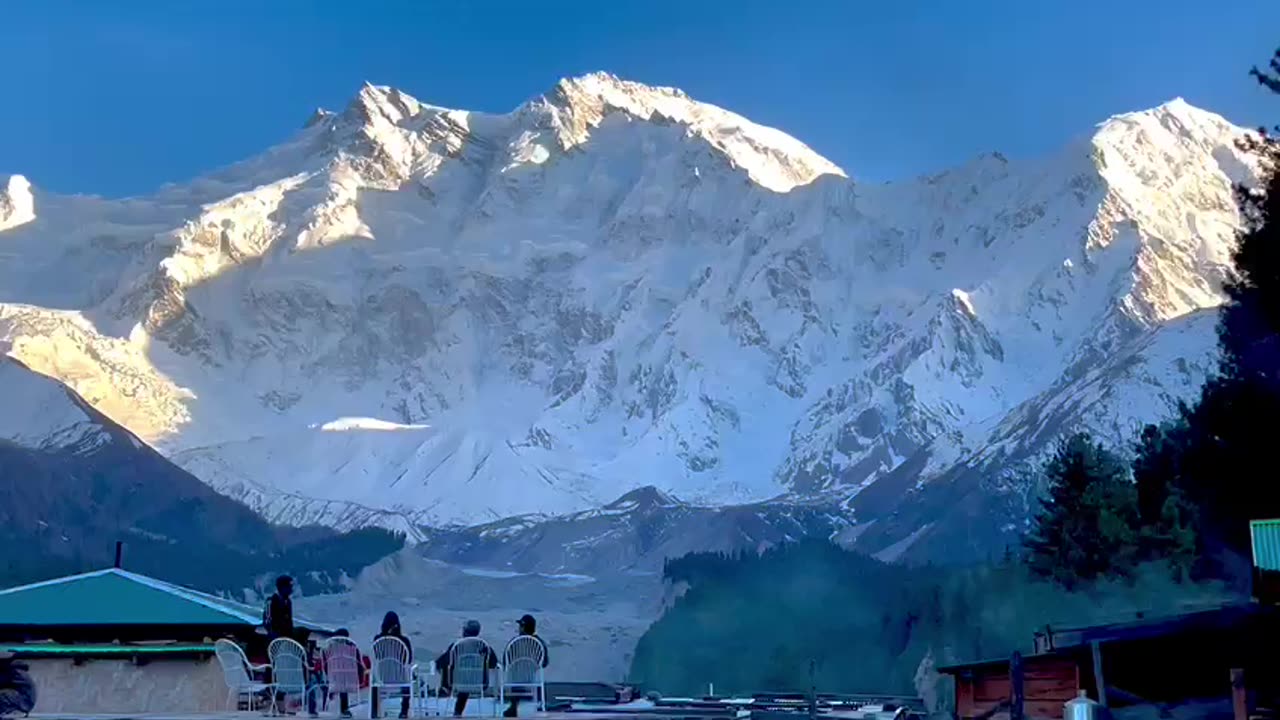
x: 119, y: 686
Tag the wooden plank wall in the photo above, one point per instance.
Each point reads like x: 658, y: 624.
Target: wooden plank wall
x: 1048, y: 683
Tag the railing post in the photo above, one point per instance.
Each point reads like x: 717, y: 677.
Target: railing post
x: 1015, y: 686
x: 1239, y: 695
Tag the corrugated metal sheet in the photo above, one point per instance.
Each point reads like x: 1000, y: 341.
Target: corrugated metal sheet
x: 1266, y: 544
x: 113, y: 597
x: 119, y: 597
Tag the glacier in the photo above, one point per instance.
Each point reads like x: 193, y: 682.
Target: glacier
x: 413, y: 316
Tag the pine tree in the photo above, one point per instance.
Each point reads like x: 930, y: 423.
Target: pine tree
x: 1269, y: 78
x: 1087, y: 527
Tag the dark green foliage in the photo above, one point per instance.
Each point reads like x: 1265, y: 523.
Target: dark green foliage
x: 753, y: 622
x: 1169, y: 519
x: 1088, y: 527
x: 1269, y: 78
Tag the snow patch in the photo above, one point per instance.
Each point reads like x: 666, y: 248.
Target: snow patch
x: 365, y: 423
x: 17, y: 205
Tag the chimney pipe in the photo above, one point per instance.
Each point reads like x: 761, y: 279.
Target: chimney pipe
x: 119, y: 553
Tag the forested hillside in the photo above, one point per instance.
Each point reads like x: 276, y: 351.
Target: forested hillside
x: 753, y: 622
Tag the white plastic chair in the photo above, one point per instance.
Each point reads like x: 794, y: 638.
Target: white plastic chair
x: 468, y: 662
x: 341, y: 658
x: 391, y: 669
x: 288, y: 671
x: 522, y: 670
x: 238, y: 672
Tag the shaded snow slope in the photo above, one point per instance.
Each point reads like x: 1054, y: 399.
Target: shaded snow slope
x: 40, y: 414
x: 412, y: 315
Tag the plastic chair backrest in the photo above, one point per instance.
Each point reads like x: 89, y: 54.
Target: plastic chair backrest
x: 235, y: 666
x: 390, y: 662
x: 522, y: 660
x: 342, y: 665
x: 468, y: 664
x: 288, y: 664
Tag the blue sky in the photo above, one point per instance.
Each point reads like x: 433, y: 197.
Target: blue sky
x: 115, y: 98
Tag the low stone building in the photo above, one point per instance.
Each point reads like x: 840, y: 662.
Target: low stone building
x: 113, y: 641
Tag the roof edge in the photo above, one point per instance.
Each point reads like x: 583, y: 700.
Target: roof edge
x: 56, y: 581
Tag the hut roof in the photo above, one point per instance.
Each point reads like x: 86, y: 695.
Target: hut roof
x: 119, y: 597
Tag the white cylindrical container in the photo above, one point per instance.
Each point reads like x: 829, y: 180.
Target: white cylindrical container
x: 1081, y: 708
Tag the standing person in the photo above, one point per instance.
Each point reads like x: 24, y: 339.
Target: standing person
x: 528, y: 627
x: 277, y: 616
x: 444, y: 664
x: 316, y: 685
x: 17, y: 692
x: 391, y: 628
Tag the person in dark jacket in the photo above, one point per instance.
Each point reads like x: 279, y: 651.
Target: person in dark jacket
x: 528, y: 627
x: 391, y: 628
x: 444, y: 664
x: 277, y: 616
x: 17, y: 691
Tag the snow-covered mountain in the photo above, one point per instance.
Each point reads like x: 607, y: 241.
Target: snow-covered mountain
x: 411, y: 315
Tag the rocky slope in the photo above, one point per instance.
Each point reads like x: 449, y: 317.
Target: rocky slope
x: 412, y: 316
x: 72, y: 483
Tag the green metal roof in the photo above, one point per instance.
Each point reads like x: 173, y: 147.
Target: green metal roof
x: 106, y: 650
x: 1266, y: 544
x: 119, y: 597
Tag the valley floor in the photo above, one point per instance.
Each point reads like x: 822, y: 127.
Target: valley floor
x: 591, y: 624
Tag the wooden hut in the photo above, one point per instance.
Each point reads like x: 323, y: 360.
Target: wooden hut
x: 1158, y: 661
x: 113, y: 641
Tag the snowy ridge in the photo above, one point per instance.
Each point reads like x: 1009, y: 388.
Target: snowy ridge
x: 40, y: 414
x: 771, y: 158
x: 413, y: 315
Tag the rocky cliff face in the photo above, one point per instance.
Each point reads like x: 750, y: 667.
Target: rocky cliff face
x: 412, y: 316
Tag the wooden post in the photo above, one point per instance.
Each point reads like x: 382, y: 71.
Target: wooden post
x: 813, y: 689
x: 1015, y: 686
x: 1097, y: 672
x: 1239, y: 695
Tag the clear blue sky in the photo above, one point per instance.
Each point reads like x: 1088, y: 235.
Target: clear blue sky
x: 115, y: 98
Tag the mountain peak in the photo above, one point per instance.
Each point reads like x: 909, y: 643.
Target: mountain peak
x: 770, y: 157
x: 381, y: 102
x: 609, y: 87
x: 1175, y: 115
x: 573, y: 322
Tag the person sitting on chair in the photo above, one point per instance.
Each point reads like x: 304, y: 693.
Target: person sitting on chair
x: 391, y: 628
x: 528, y: 627
x: 444, y: 664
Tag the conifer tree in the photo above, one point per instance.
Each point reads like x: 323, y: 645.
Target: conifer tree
x: 1087, y: 528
